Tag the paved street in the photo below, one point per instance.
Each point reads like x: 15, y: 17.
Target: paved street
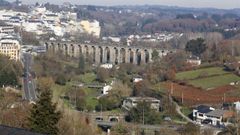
x: 29, y: 85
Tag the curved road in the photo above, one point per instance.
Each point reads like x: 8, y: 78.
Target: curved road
x: 178, y: 109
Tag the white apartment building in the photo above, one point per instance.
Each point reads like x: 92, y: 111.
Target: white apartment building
x: 12, y: 17
x: 42, y: 21
x: 58, y: 29
x: 39, y: 10
x: 73, y: 27
x: 10, y: 47
x: 69, y: 16
x: 33, y: 26
x: 6, y: 15
x: 91, y: 27
x: 51, y: 17
x: 6, y: 29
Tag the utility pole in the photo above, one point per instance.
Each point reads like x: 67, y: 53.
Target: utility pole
x: 224, y: 97
x: 143, y: 115
x: 75, y: 98
x: 74, y: 128
x: 75, y: 102
x: 101, y: 110
x: 232, y: 49
x: 171, y: 88
x: 237, y: 122
x: 182, y: 97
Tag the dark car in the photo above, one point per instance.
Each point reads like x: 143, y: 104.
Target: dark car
x: 207, y: 121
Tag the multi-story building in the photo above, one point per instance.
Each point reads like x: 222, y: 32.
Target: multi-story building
x: 51, y: 17
x: 6, y: 29
x: 199, y: 113
x: 10, y: 47
x: 91, y: 27
x: 209, y: 115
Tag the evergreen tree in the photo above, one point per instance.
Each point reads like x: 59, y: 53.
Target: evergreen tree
x: 9, y: 71
x: 44, y: 117
x: 196, y: 47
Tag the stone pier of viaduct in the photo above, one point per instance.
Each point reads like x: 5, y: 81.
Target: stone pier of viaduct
x: 105, y: 53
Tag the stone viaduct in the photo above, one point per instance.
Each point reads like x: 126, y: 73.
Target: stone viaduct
x: 106, y: 53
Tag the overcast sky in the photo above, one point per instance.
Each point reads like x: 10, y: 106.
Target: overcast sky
x: 226, y: 4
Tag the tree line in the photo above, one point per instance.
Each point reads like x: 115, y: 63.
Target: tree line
x: 10, y: 72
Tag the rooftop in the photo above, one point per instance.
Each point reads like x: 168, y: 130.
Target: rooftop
x: 6, y: 130
x: 5, y: 25
x: 216, y: 113
x: 142, y: 98
x: 204, y: 109
x: 9, y: 38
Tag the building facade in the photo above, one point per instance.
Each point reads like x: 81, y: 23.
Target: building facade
x: 6, y: 29
x: 91, y: 27
x: 10, y: 47
x: 209, y: 115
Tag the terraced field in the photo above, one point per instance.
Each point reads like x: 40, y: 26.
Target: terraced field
x: 188, y: 75
x: 208, y: 78
x: 215, y: 81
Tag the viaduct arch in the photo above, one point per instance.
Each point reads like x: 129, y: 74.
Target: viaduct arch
x: 114, y: 54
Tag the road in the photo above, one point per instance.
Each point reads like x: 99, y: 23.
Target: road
x: 108, y: 125
x: 178, y: 109
x: 29, y: 85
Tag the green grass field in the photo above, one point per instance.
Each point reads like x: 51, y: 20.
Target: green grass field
x: 186, y: 111
x: 188, y: 75
x: 91, y: 102
x: 91, y: 97
x: 59, y: 91
x: 209, y: 77
x: 215, y: 81
x: 86, y: 78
